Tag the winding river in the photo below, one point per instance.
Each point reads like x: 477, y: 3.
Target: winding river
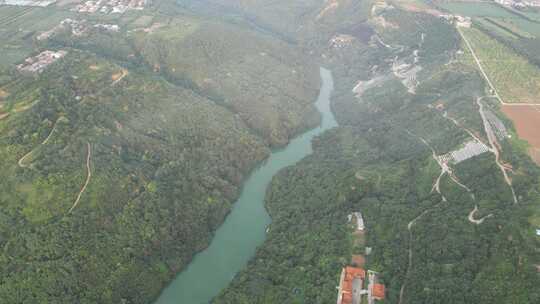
x: 235, y: 242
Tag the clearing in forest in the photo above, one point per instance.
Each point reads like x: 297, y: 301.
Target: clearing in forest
x: 116, y: 77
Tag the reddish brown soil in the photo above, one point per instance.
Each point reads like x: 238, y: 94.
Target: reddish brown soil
x: 527, y: 122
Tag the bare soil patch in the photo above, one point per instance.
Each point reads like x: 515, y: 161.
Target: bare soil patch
x: 116, y: 77
x: 359, y: 239
x: 3, y: 94
x: 527, y: 122
x: 358, y: 260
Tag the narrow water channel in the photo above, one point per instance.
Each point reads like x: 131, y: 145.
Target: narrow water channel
x: 235, y: 242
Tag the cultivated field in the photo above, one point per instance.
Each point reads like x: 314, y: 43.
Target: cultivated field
x: 495, y: 12
x: 527, y: 123
x: 514, y: 78
x: 504, y: 28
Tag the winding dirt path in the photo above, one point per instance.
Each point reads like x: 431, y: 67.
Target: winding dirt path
x: 479, y: 221
x: 492, y: 142
x: 436, y: 187
x: 445, y: 115
x: 410, y: 225
x: 88, y: 177
x: 444, y: 169
x: 44, y: 142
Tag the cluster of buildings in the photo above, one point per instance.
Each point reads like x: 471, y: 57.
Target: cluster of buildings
x: 358, y: 220
x: 458, y: 20
x: 107, y: 27
x: 407, y: 74
x: 471, y: 149
x: 39, y: 62
x: 41, y: 3
x: 77, y: 28
x: 355, y: 283
x: 341, y: 41
x: 110, y: 6
x: 354, y: 286
x: 362, y: 86
x: 497, y: 125
x: 519, y: 4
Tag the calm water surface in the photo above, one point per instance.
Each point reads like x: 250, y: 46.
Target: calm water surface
x: 235, y: 241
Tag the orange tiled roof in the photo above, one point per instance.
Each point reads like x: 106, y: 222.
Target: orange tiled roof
x: 347, y: 284
x: 354, y: 272
x: 378, y: 291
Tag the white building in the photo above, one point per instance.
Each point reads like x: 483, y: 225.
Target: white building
x: 359, y: 220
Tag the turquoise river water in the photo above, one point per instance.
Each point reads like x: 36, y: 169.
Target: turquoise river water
x: 236, y: 240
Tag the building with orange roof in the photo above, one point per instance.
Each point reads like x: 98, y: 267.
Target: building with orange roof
x: 378, y: 291
x: 350, y: 285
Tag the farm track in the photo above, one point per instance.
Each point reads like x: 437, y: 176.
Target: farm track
x: 479, y: 221
x: 436, y: 187
x: 484, y: 74
x: 21, y: 12
x: 44, y: 142
x: 487, y: 127
x: 88, y: 177
x: 463, y: 128
x: 12, y: 19
x: 410, y: 225
x: 492, y: 140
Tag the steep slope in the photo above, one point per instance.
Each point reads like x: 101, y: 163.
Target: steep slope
x: 267, y: 81
x: 165, y: 167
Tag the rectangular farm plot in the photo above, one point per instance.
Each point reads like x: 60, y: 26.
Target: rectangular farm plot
x: 527, y: 123
x: 514, y: 78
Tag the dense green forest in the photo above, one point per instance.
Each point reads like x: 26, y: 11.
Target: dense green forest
x: 120, y: 160
x: 166, y: 165
x: 380, y: 140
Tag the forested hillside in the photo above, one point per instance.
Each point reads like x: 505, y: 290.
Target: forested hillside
x: 436, y: 237
x: 120, y: 159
